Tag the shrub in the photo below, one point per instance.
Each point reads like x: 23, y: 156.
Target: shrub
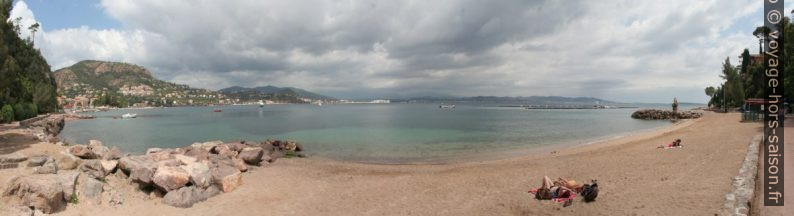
x: 6, y: 114
x: 32, y: 110
x: 25, y: 111
x: 19, y: 112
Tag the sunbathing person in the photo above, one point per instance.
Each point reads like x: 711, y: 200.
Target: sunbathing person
x: 553, y: 190
x: 675, y: 144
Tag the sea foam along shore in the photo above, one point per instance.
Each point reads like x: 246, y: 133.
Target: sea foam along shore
x: 636, y: 178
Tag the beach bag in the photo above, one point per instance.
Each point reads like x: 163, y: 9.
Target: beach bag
x: 590, y: 192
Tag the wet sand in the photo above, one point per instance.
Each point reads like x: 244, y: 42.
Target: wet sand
x: 635, y: 178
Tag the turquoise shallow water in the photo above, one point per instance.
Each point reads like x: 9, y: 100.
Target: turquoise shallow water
x: 360, y: 132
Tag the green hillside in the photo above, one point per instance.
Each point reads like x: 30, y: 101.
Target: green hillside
x: 121, y: 84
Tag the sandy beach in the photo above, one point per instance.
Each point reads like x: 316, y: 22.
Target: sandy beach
x: 635, y: 178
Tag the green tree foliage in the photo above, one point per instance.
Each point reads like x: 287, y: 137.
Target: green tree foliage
x: 26, y: 76
x: 748, y: 80
x: 752, y: 76
x: 25, y: 111
x: 6, y: 114
x: 710, y: 91
x: 733, y: 87
x: 787, y: 60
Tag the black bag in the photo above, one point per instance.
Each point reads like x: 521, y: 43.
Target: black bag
x: 590, y: 192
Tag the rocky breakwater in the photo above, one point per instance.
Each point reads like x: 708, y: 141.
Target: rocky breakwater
x: 179, y: 177
x: 655, y: 114
x: 46, y: 128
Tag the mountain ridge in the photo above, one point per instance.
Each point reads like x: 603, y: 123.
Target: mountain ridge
x: 270, y: 89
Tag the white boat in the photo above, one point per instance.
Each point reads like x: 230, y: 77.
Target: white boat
x: 261, y: 104
x: 319, y: 103
x: 129, y: 115
x: 446, y: 106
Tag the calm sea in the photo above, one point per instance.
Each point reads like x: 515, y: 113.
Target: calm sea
x: 390, y: 133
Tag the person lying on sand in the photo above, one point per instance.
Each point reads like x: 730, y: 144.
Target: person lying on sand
x: 675, y: 144
x: 557, y: 191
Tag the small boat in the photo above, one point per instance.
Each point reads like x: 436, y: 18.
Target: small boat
x: 129, y: 115
x: 261, y: 104
x: 319, y: 103
x: 446, y: 106
x: 217, y: 110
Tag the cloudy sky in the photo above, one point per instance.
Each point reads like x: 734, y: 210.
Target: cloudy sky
x: 621, y: 50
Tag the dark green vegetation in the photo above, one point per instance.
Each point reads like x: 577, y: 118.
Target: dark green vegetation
x: 120, y: 85
x: 285, y: 94
x: 26, y: 83
x: 747, y: 80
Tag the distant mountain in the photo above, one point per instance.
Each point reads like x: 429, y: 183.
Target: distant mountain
x: 122, y: 84
x: 252, y: 93
x: 550, y: 100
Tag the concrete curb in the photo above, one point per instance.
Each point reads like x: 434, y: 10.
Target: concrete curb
x: 737, y: 202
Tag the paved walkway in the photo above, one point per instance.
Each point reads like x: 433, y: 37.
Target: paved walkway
x: 788, y: 166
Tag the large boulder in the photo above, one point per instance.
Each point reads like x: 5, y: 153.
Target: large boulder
x: 239, y: 164
x: 198, y: 153
x: 97, y: 148
x: 48, y: 167
x: 207, y: 145
x: 140, y: 168
x: 114, y: 154
x: 67, y: 161
x: 170, y: 162
x: 200, y: 175
x: 94, y: 143
x: 109, y: 165
x: 42, y: 192
x: 91, y: 190
x: 187, y: 196
x: 169, y: 178
x: 265, y: 160
x: 236, y: 146
x: 228, y: 153
x: 184, y: 158
x: 37, y: 160
x: 251, y: 155
x: 219, y: 148
x: 68, y: 182
x: 82, y: 151
x: 290, y: 146
x: 161, y: 155
x: 93, y: 168
x: 226, y: 177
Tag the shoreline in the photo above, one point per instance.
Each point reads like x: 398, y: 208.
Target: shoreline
x: 629, y: 167
x: 518, y: 152
x: 483, y: 154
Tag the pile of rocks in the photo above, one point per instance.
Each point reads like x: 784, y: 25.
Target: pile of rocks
x: 655, y: 114
x: 181, y: 176
x: 46, y: 128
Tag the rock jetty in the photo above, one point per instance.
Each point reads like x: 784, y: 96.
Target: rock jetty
x: 45, y: 128
x: 655, y: 114
x: 180, y: 177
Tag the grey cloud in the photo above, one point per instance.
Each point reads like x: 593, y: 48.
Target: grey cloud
x: 410, y: 48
